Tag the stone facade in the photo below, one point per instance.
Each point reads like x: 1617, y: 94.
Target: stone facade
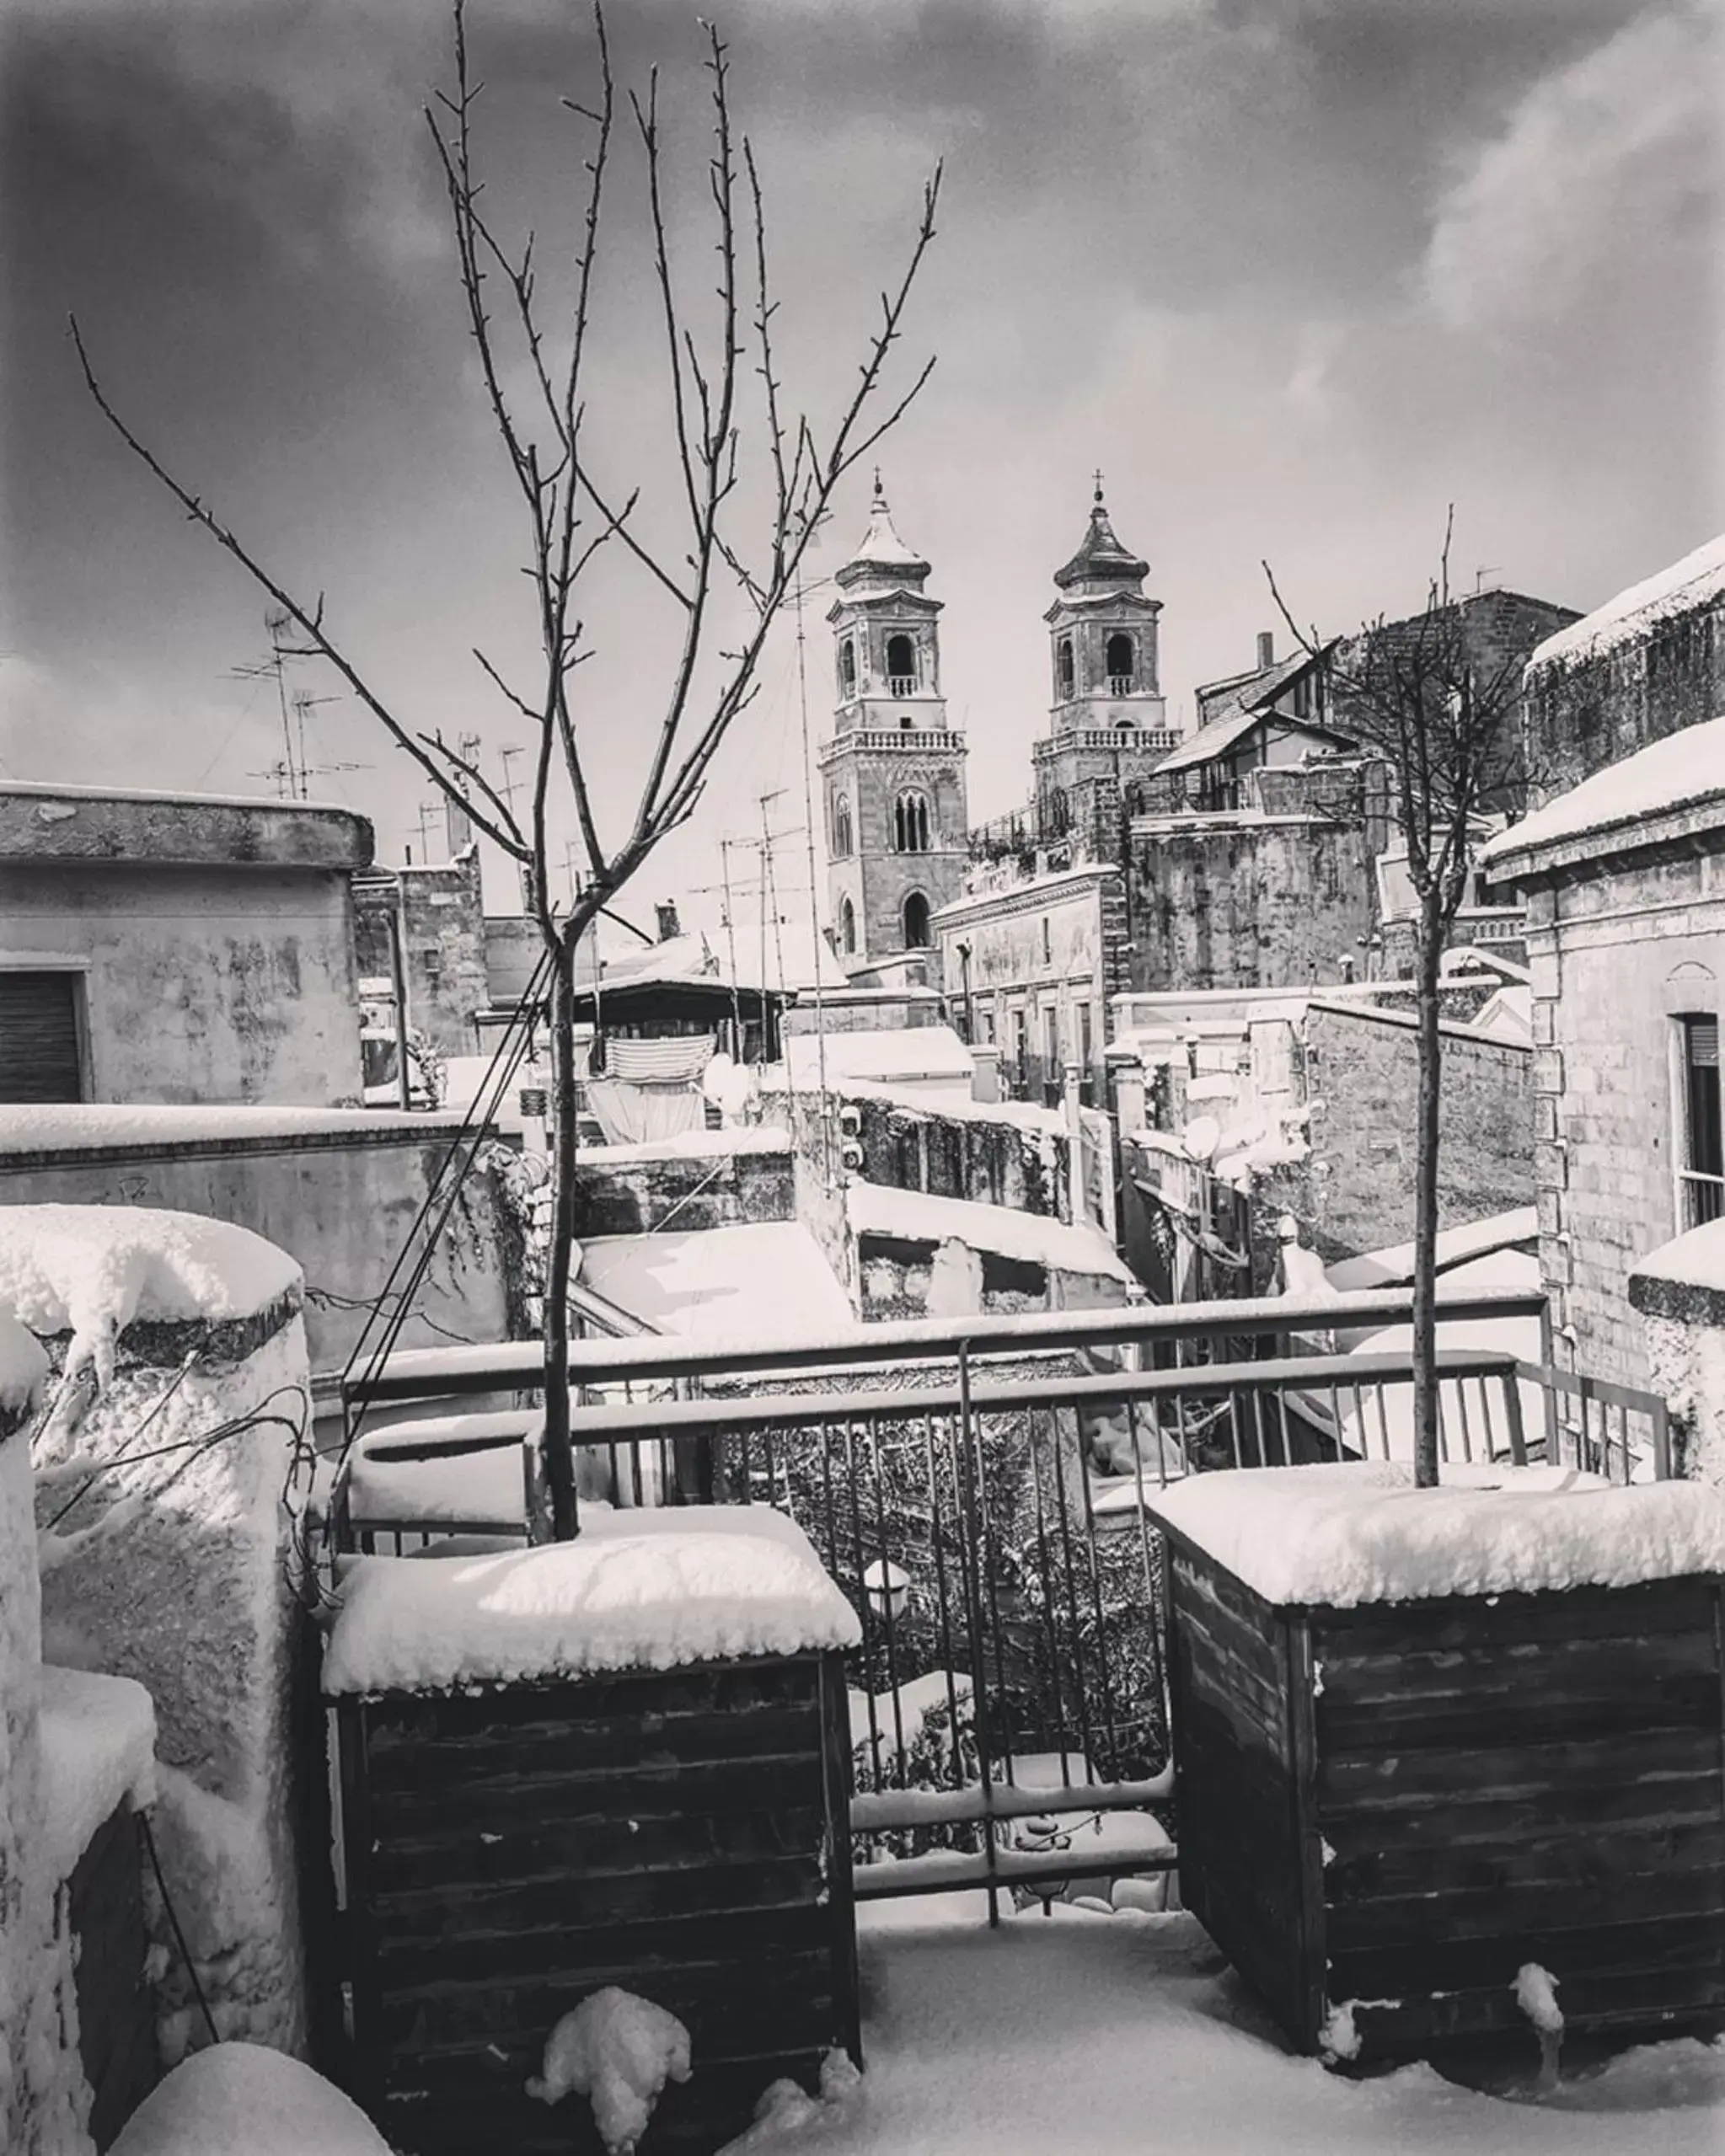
x: 1247, y: 900
x: 634, y: 1190
x: 207, y: 944
x: 1030, y: 965
x: 444, y: 946
x: 1355, y: 1192
x: 1621, y: 949
x: 1625, y: 676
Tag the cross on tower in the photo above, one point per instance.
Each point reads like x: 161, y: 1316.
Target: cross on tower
x: 1099, y: 482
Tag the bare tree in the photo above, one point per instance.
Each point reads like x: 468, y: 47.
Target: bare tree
x: 573, y: 508
x: 1416, y: 694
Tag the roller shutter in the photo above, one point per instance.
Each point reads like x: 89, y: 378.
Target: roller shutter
x: 39, y: 1057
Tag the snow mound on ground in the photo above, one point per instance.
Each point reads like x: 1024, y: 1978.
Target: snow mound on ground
x: 91, y: 1269
x: 99, y: 1745
x: 637, y: 1590
x: 1361, y: 1533
x: 23, y: 1367
x: 1536, y: 1995
x: 619, y: 2052
x: 239, y: 2100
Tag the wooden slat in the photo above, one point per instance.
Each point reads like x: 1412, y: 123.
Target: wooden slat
x: 1467, y: 1623
x: 1547, y: 1856
x: 590, y: 1749
x: 469, y: 1851
x: 516, y: 1803
x: 1395, y: 1781
x: 579, y: 1901
x: 1628, y: 1950
x: 1457, y: 1913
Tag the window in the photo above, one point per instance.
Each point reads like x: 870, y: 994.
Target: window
x: 843, y: 842
x: 1047, y: 942
x: 905, y: 724
x: 910, y: 824
x: 901, y: 665
x: 1051, y: 1042
x: 1064, y: 675
x: 916, y: 921
x: 847, y: 925
x: 41, y: 1058
x: 1122, y: 663
x: 1701, y: 1178
x: 1085, y: 1040
x: 847, y: 667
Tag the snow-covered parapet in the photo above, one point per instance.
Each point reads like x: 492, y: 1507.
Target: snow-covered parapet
x: 1636, y: 611
x: 636, y: 1591
x: 181, y: 1406
x: 1361, y: 1533
x: 1680, y: 1291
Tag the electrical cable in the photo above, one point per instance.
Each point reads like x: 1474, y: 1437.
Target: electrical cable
x: 191, y: 1966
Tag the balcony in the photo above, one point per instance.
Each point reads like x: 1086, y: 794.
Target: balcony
x: 1124, y: 684
x: 900, y: 684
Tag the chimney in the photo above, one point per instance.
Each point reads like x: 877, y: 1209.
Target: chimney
x: 1266, y: 647
x: 669, y: 925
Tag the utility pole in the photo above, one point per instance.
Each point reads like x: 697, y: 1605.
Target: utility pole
x: 725, y: 845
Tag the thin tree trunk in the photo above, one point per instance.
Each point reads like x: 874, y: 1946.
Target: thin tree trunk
x: 560, y: 1455
x: 1426, y: 1404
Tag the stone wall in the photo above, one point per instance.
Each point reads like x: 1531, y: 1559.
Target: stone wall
x: 341, y: 1200
x: 1241, y: 901
x: 1013, y: 1157
x: 1355, y: 1193
x: 875, y: 878
x: 1619, y: 951
x: 443, y: 947
x: 1582, y: 716
x: 633, y: 1189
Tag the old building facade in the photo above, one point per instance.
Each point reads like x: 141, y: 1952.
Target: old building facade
x: 893, y: 772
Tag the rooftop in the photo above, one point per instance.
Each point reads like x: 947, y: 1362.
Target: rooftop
x: 1677, y: 782
x: 124, y: 825
x: 1695, y: 581
x: 1101, y: 558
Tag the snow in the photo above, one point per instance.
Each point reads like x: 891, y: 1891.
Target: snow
x: 692, y: 1145
x: 884, y: 1052
x: 1361, y: 1533
x: 51, y: 789
x: 958, y: 1108
x: 619, y: 2051
x: 1477, y: 1239
x: 1684, y: 770
x: 240, y: 2099
x: 1536, y: 1995
x: 917, y: 1216
x: 98, y: 1746
x: 468, y: 1486
x: 636, y: 1591
x: 758, y: 1281
x: 1127, y: 2036
x: 23, y: 1367
x: 91, y: 1269
x: 75, y: 1129
x: 1695, y: 1259
x: 1694, y: 580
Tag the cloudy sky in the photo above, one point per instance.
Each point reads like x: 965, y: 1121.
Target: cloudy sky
x: 1294, y: 273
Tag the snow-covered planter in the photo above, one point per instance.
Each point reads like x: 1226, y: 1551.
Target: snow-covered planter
x: 178, y: 1404
x: 1425, y: 1739
x: 621, y: 1762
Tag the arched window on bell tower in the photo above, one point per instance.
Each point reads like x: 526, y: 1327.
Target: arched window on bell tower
x: 910, y: 823
x: 843, y: 842
x: 847, y: 926
x: 901, y: 665
x: 847, y: 668
x: 1122, y: 663
x: 1064, y: 675
x: 916, y: 921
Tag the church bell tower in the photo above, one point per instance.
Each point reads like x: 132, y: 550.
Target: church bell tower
x: 892, y: 773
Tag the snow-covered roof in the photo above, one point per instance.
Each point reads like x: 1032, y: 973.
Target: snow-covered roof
x: 232, y: 2096
x: 99, y: 1745
x: 917, y: 1217
x: 1695, y: 1259
x: 880, y: 1053
x: 1218, y: 734
x: 1695, y: 581
x: 1478, y: 1238
x: 692, y: 1145
x: 1361, y: 1533
x: 107, y: 1125
x: 1685, y: 771
x: 91, y: 1269
x: 761, y: 1281
x: 638, y: 1590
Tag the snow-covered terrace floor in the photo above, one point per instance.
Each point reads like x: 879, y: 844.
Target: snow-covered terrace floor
x: 1128, y: 2036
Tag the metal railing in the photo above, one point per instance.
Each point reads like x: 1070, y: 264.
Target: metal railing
x: 984, y: 1501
